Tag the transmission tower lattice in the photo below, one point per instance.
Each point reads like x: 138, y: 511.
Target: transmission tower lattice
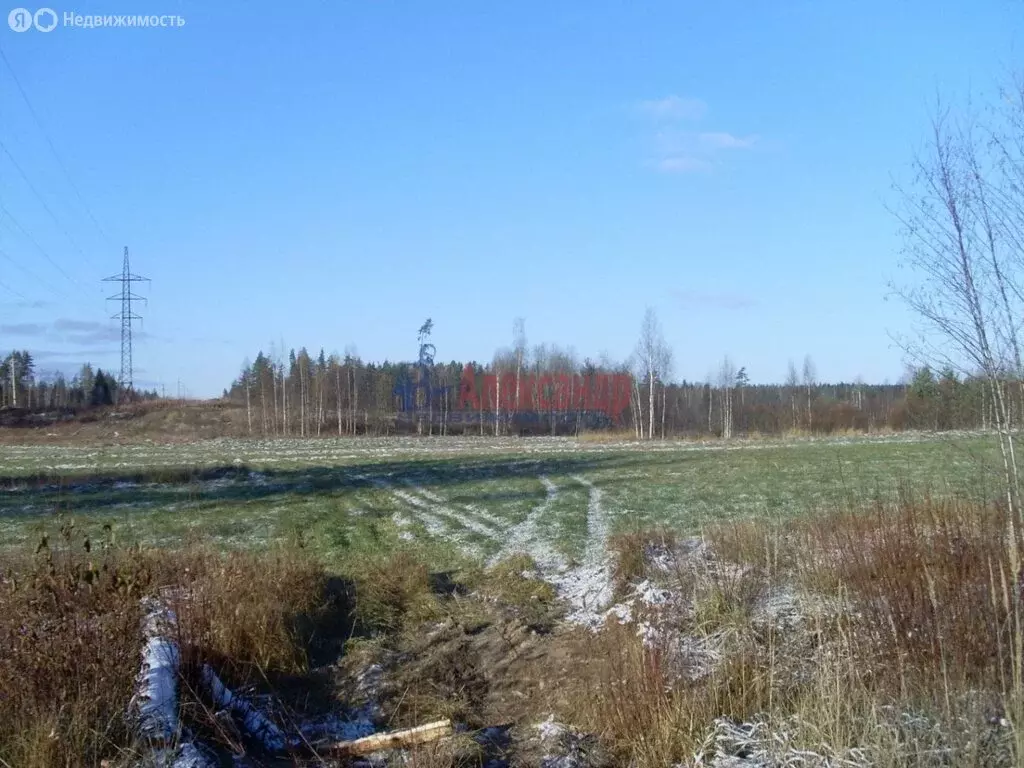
x: 126, y: 316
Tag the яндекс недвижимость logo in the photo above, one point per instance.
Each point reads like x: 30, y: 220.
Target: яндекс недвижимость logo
x: 22, y: 19
x: 47, y: 20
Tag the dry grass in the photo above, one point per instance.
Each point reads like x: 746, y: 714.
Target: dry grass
x: 630, y: 552
x: 606, y: 436
x: 891, y: 636
x: 803, y: 432
x: 393, y: 590
x: 904, y: 649
x: 513, y: 582
x: 69, y: 649
x: 71, y: 641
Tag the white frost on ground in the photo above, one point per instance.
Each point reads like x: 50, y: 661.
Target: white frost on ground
x: 587, y: 588
x: 757, y: 744
x: 660, y: 614
x: 597, y: 523
x: 526, y: 536
x: 430, y: 516
x: 423, y: 499
x: 564, y: 747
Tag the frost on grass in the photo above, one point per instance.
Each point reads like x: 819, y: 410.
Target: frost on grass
x: 526, y: 536
x: 566, y: 747
x: 758, y: 744
x: 587, y: 587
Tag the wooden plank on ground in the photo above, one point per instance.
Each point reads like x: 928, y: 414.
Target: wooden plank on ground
x: 408, y: 737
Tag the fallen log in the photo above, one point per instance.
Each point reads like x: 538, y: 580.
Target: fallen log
x: 409, y: 737
x: 153, y: 708
x: 155, y: 702
x: 255, y: 723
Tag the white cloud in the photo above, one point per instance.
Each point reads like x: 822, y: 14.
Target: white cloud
x: 727, y: 300
x: 683, y: 164
x: 676, y: 149
x: 674, y: 108
x: 722, y: 140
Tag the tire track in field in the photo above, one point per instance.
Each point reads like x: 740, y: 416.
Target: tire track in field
x: 588, y: 588
x: 485, y: 519
x: 440, y: 521
x: 598, y: 528
x: 527, y: 537
x: 415, y: 499
x: 434, y: 525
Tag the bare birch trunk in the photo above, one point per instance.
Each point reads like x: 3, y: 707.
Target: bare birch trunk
x: 639, y: 410
x: 273, y: 382
x: 302, y: 400
x: 248, y: 408
x: 497, y: 403
x: 320, y: 403
x: 664, y: 401
x: 263, y: 403
x: 650, y: 399
x: 337, y: 381
x: 711, y: 405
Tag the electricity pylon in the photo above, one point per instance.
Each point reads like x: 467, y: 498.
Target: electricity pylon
x: 126, y: 316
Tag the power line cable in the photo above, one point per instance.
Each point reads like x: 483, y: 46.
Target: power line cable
x: 53, y: 148
x: 42, y: 202
x: 7, y: 257
x: 54, y: 264
x: 8, y: 288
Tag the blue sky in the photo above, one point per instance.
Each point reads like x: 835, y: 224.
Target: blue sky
x: 333, y: 173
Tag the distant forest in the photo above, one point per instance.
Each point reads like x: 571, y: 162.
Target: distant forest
x: 326, y: 395
x: 21, y: 388
x: 543, y: 391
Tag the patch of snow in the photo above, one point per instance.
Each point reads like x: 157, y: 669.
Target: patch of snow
x: 588, y: 589
x: 550, y: 730
x: 526, y: 536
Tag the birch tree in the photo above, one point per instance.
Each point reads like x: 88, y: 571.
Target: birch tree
x: 519, y: 346
x: 650, y: 352
x: 963, y: 227
x: 247, y: 380
x: 726, y: 382
x: 810, y: 380
x: 665, y: 369
x: 792, y: 387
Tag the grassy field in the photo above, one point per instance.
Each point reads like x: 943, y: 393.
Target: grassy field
x: 460, y: 497
x: 822, y: 602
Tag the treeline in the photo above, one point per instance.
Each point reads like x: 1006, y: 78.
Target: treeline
x: 313, y: 396
x: 22, y: 388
